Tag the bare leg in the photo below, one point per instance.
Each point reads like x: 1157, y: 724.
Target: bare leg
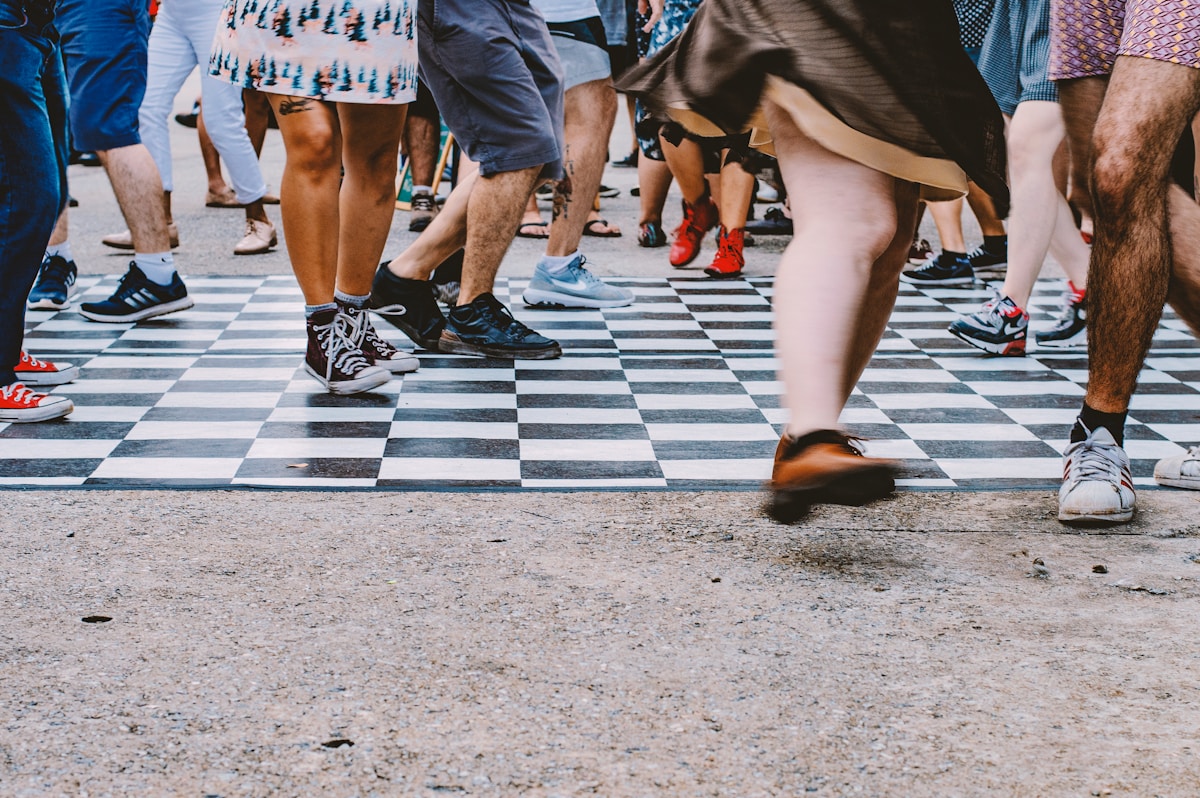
x: 948, y: 218
x: 1081, y: 100
x: 654, y: 179
x: 421, y: 139
x: 838, y: 278
x: 687, y: 165
x: 589, y: 111
x: 309, y: 192
x: 446, y: 234
x: 258, y: 115
x: 990, y: 223
x: 138, y: 186
x: 1131, y: 260
x: 493, y: 213
x: 1039, y: 212
x: 61, y: 230
x: 370, y: 150
x: 737, y: 189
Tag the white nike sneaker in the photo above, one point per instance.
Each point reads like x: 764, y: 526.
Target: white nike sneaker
x: 1097, y: 484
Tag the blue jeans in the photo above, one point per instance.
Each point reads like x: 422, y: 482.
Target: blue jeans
x: 32, y: 160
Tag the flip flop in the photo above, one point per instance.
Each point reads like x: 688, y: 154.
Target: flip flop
x: 542, y: 226
x: 589, y: 229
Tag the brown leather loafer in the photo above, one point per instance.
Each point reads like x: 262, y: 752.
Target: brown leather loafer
x: 824, y: 467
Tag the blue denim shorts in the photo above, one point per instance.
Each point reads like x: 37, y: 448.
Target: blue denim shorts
x: 104, y: 44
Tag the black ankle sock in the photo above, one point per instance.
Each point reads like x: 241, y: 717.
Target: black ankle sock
x: 995, y: 243
x: 1091, y: 419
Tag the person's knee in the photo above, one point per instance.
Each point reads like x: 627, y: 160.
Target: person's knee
x: 1116, y: 182
x: 313, y: 151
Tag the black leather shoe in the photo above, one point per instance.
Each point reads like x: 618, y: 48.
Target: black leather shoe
x: 485, y: 327
x: 773, y: 223
x: 409, y: 305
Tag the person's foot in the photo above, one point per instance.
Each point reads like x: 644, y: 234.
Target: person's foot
x: 824, y: 467
x: 533, y: 229
x: 920, y: 251
x: 259, y: 238
x: 698, y: 219
x: 84, y: 158
x: 225, y: 198
x: 601, y: 228
x: 124, y: 239
x: 989, y: 261
x: 52, y: 291
x: 40, y: 373
x: 485, y: 327
x: 945, y: 269
x: 608, y: 192
x: 1180, y: 471
x: 1097, y: 484
x: 1071, y: 328
x: 334, y: 357
x: 409, y: 306
x: 423, y: 209
x: 137, y: 297
x: 21, y: 404
x: 651, y: 235
x: 379, y: 350
x: 999, y: 327
x: 574, y: 287
x: 190, y: 119
x: 730, y: 257
x: 773, y: 223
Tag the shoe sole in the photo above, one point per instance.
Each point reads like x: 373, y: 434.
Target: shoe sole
x: 952, y: 281
x: 716, y: 275
x: 451, y: 343
x: 1010, y: 349
x: 56, y: 410
x: 1095, y: 519
x: 347, y: 387
x: 144, y: 313
x: 430, y: 344
x: 47, y: 304
x: 261, y: 250
x: 1187, y: 483
x: 854, y: 490
x: 536, y: 298
x: 41, y: 378
x: 129, y: 247
x: 405, y: 366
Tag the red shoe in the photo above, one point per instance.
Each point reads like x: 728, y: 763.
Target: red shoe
x: 728, y: 263
x: 32, y: 371
x: 698, y: 219
x: 21, y: 404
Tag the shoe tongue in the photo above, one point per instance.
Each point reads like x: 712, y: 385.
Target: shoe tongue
x: 1101, y: 435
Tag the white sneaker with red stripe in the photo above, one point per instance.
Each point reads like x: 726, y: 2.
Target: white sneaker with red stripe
x: 1097, y: 484
x: 32, y: 371
x: 21, y: 404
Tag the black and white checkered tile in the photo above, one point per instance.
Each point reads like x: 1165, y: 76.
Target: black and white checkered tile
x: 677, y: 391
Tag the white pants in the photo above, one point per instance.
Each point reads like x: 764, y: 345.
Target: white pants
x: 180, y: 41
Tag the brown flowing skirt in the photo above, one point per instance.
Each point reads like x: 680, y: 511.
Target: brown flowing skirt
x: 882, y: 82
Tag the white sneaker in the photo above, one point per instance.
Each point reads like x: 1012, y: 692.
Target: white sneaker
x: 1180, y: 471
x: 1097, y: 484
x: 259, y: 238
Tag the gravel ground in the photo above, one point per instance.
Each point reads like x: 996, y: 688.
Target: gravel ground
x: 615, y: 644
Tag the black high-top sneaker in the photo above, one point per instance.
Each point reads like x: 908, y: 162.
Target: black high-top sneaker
x: 335, y: 358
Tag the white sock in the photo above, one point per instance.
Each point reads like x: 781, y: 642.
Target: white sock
x: 62, y: 250
x: 558, y: 265
x: 159, y: 267
x: 422, y: 190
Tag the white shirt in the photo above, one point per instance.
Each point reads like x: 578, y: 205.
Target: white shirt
x: 566, y: 10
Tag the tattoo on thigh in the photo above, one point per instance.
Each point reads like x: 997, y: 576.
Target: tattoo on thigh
x: 290, y: 106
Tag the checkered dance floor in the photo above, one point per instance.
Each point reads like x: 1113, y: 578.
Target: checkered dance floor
x: 678, y: 391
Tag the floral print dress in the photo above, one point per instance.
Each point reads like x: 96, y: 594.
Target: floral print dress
x: 346, y: 51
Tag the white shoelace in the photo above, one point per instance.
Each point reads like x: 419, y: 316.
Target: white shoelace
x: 19, y: 394
x: 342, y: 348
x: 1090, y: 462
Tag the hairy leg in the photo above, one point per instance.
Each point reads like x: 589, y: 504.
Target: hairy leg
x: 370, y: 150
x: 589, y: 111
x: 1131, y: 260
x: 493, y: 214
x: 828, y: 276
x: 421, y: 144
x: 138, y: 186
x: 1081, y: 99
x: 308, y: 192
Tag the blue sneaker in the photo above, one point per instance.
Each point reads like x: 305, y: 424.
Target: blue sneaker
x: 52, y: 291
x: 945, y: 269
x: 574, y: 288
x: 138, y: 297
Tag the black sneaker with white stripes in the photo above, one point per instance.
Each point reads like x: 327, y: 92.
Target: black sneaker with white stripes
x: 138, y: 297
